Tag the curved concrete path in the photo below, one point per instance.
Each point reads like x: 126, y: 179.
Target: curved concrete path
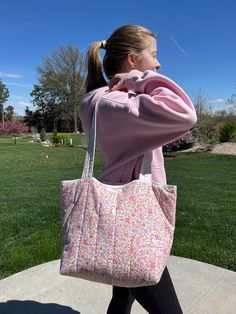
x: 201, y: 288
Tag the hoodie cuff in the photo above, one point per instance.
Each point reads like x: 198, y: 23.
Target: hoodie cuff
x: 132, y: 78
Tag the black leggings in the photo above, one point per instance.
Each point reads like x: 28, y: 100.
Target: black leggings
x: 158, y: 299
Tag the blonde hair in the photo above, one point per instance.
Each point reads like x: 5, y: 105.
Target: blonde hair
x: 126, y: 39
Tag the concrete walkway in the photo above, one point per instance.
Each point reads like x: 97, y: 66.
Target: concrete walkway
x: 202, y: 289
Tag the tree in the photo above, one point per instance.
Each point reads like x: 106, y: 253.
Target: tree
x: 62, y: 77
x: 33, y: 118
x: 9, y: 113
x: 204, y: 116
x: 49, y: 111
x: 13, y: 128
x: 231, y: 105
x: 4, y: 94
x: 203, y: 109
x: 221, y: 115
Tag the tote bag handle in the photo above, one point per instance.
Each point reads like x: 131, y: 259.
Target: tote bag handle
x: 90, y: 153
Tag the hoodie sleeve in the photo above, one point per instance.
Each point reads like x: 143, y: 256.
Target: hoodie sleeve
x: 160, y: 110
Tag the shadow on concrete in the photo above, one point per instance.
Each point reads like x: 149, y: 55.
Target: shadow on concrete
x: 33, y: 307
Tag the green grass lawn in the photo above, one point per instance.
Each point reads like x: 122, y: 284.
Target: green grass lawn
x: 30, y: 224
x: 206, y: 207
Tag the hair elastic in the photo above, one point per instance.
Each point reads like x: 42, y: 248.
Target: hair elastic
x: 103, y: 44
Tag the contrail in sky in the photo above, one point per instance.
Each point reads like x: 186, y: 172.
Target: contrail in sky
x: 178, y: 46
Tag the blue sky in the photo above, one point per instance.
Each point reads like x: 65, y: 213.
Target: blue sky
x: 197, y: 42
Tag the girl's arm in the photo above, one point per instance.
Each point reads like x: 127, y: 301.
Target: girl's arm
x: 161, y: 111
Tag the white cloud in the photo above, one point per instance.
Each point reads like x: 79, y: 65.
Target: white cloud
x: 19, y: 84
x: 10, y: 75
x: 17, y: 97
x: 217, y: 104
x: 19, y: 106
x: 217, y: 101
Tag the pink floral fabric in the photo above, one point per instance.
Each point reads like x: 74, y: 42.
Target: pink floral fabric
x: 118, y: 235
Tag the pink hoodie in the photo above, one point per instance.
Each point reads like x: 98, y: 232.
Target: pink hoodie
x: 153, y: 113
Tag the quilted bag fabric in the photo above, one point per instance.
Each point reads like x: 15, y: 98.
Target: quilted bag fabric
x: 116, y: 234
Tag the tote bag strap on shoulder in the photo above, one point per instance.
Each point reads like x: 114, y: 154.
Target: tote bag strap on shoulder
x: 90, y: 154
x: 89, y: 158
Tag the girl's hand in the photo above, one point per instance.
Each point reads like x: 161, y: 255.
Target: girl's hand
x: 117, y: 82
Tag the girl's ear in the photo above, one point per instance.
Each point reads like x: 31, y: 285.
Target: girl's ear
x: 130, y: 60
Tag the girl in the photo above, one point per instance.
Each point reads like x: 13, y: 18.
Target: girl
x: 138, y: 112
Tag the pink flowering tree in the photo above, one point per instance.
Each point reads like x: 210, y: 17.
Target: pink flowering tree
x: 13, y: 128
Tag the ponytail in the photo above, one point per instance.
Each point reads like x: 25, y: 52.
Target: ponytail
x: 126, y: 39
x: 95, y: 78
